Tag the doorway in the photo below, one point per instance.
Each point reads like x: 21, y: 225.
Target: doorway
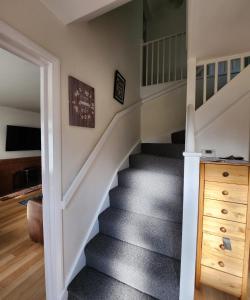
x: 49, y: 67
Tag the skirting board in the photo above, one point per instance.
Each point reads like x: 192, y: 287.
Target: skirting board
x: 80, y: 260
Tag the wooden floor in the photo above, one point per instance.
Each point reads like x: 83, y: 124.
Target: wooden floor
x: 21, y: 260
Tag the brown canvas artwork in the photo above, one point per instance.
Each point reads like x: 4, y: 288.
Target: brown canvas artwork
x: 81, y: 104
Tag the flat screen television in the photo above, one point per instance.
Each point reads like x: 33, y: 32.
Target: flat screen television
x: 20, y: 138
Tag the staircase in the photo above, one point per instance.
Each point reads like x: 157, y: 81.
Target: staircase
x: 136, y: 255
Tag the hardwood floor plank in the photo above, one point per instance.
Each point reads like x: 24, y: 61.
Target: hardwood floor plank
x: 21, y: 260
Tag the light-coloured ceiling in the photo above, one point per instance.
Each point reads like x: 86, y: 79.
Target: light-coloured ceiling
x: 19, y: 83
x: 69, y: 11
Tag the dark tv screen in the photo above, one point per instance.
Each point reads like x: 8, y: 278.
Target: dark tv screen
x: 20, y: 138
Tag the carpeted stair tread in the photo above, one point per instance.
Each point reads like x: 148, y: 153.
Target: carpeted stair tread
x: 90, y: 284
x: 165, y: 207
x: 178, y: 137
x: 168, y: 150
x: 150, y: 233
x: 147, y: 271
x: 160, y: 164
x: 151, y: 182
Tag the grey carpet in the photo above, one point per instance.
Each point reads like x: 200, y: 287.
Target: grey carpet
x: 178, y: 137
x: 147, y: 271
x: 168, y: 150
x: 90, y: 284
x: 150, y: 233
x: 136, y: 255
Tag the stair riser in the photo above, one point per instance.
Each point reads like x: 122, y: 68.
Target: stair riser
x: 164, y: 166
x: 133, y: 277
x: 164, y: 240
x: 154, y: 184
x: 157, y: 209
x: 167, y: 150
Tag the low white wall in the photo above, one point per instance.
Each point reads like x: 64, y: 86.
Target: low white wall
x: 12, y: 116
x: 163, y: 115
x: 229, y: 133
x: 89, y: 198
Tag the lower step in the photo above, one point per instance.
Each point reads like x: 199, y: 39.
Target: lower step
x: 147, y: 232
x: 90, y: 284
x: 154, y: 274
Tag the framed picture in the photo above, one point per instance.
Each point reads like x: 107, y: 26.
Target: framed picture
x: 119, y: 87
x: 81, y: 104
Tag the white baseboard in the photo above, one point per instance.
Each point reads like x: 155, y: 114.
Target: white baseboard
x: 80, y: 260
x: 64, y: 295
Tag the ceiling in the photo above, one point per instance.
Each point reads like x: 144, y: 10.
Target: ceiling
x: 69, y: 11
x: 19, y: 83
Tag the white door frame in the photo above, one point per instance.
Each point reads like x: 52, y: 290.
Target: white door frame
x: 18, y: 44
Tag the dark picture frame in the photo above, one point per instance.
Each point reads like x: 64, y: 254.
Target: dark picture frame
x: 119, y: 87
x: 81, y: 104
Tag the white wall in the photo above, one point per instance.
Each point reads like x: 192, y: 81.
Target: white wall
x: 12, y: 116
x: 90, y: 52
x: 166, y: 20
x: 163, y: 115
x: 218, y: 28
x: 228, y: 134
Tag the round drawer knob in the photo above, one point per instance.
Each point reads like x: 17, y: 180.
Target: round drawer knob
x: 221, y: 264
x: 225, y: 193
x: 222, y: 246
x: 225, y: 174
x: 223, y: 229
x: 224, y: 211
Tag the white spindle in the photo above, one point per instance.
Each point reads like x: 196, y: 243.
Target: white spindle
x: 146, y: 64
x: 181, y: 53
x: 163, y: 60
x: 152, y: 65
x: 205, y: 84
x: 241, y: 63
x: 175, y: 57
x: 216, y: 78
x: 169, y: 61
x: 228, y: 70
x: 158, y: 61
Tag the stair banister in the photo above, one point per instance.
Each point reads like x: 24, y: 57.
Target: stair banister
x: 163, y: 59
x: 190, y: 209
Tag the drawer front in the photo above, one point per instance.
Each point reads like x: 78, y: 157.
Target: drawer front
x: 231, y: 265
x: 226, y: 173
x: 225, y: 210
x: 213, y: 243
x: 224, y: 228
x: 222, y: 281
x: 226, y: 192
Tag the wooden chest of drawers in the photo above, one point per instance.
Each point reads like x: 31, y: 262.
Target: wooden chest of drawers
x: 224, y: 227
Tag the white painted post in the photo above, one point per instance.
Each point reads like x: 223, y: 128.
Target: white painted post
x: 169, y: 60
x: 146, y: 64
x: 189, y: 225
x: 158, y: 61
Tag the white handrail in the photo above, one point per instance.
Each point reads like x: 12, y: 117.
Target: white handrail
x: 190, y: 129
x: 164, y: 38
x: 84, y: 169
x: 164, y: 59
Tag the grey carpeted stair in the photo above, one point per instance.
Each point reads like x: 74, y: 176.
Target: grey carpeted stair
x: 90, y: 284
x: 178, y: 137
x: 136, y: 255
x: 147, y: 271
x: 165, y: 207
x: 168, y: 150
x: 150, y: 233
